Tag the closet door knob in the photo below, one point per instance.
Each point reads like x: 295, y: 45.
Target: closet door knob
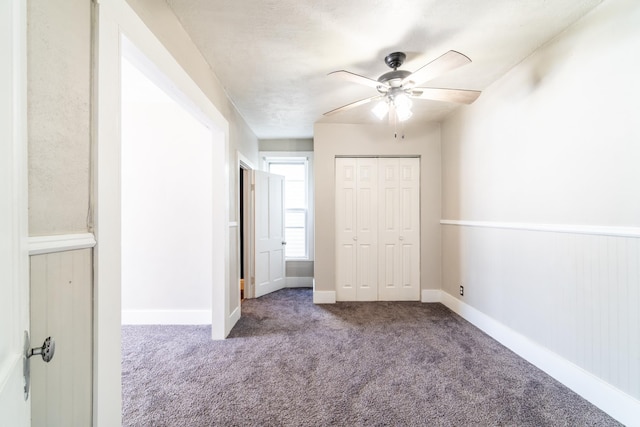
x: 401, y: 237
x: 355, y: 238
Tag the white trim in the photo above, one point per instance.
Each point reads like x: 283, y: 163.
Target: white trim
x: 299, y: 282
x: 233, y: 224
x: 59, y: 243
x: 233, y: 317
x: 324, y: 297
x: 14, y: 210
x: 616, y: 403
x: 431, y: 295
x: 596, y: 230
x: 243, y: 161
x: 166, y: 317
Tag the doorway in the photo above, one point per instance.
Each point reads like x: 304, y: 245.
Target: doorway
x: 116, y: 21
x: 166, y: 201
x: 245, y: 227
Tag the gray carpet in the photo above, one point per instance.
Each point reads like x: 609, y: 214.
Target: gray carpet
x: 289, y: 362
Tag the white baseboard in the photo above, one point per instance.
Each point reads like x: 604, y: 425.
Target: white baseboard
x: 324, y: 297
x: 431, y: 295
x: 166, y: 317
x: 233, y: 319
x: 614, y: 402
x: 235, y: 316
x: 299, y: 282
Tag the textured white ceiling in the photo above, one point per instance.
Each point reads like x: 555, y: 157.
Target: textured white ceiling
x: 273, y: 56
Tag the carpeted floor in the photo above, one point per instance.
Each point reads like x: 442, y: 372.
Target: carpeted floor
x: 289, y: 362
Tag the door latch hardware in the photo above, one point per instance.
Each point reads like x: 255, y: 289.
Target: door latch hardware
x: 47, y: 351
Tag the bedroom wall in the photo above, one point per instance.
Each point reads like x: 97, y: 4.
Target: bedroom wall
x: 331, y: 140
x: 59, y: 126
x: 555, y: 141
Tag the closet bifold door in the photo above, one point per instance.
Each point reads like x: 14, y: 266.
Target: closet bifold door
x: 399, y: 229
x: 356, y: 229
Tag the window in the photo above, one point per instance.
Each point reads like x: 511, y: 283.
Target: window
x: 296, y: 203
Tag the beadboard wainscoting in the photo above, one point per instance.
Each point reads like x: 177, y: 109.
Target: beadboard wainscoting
x: 61, y: 307
x: 565, y: 298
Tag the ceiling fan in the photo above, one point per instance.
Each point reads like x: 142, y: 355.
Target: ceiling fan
x: 396, y: 88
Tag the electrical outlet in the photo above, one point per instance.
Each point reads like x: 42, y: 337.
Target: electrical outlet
x: 461, y: 290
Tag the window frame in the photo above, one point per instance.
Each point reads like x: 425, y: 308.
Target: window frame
x: 296, y: 157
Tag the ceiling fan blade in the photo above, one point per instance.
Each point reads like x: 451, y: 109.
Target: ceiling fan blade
x: 438, y: 66
x: 357, y: 78
x: 461, y: 96
x: 353, y: 105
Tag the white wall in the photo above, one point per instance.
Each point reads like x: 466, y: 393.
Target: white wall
x: 59, y: 125
x: 166, y: 207
x: 556, y: 141
x: 331, y: 140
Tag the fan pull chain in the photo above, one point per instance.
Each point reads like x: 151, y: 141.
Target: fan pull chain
x: 395, y: 131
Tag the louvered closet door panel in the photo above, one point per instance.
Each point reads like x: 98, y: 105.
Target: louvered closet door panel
x: 346, y: 240
x: 367, y: 229
x: 399, y: 229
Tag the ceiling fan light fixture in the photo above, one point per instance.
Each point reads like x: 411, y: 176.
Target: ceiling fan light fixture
x: 381, y: 109
x: 402, y: 100
x: 402, y: 106
x: 403, y: 113
x: 397, y: 87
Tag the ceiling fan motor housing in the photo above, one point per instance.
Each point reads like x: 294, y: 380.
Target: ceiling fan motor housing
x: 395, y: 59
x: 394, y: 78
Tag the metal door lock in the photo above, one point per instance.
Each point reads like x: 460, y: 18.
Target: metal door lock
x: 47, y: 352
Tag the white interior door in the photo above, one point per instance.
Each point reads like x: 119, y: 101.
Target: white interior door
x: 367, y: 229
x: 356, y: 229
x: 14, y: 286
x: 269, y: 246
x: 346, y: 236
x: 399, y: 229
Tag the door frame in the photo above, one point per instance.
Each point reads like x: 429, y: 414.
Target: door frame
x: 14, y: 133
x: 114, y: 19
x: 245, y: 166
x: 352, y: 295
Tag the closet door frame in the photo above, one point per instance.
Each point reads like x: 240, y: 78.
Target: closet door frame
x: 360, y: 210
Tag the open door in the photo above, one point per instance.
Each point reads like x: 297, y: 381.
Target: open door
x: 14, y: 284
x: 269, y: 242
